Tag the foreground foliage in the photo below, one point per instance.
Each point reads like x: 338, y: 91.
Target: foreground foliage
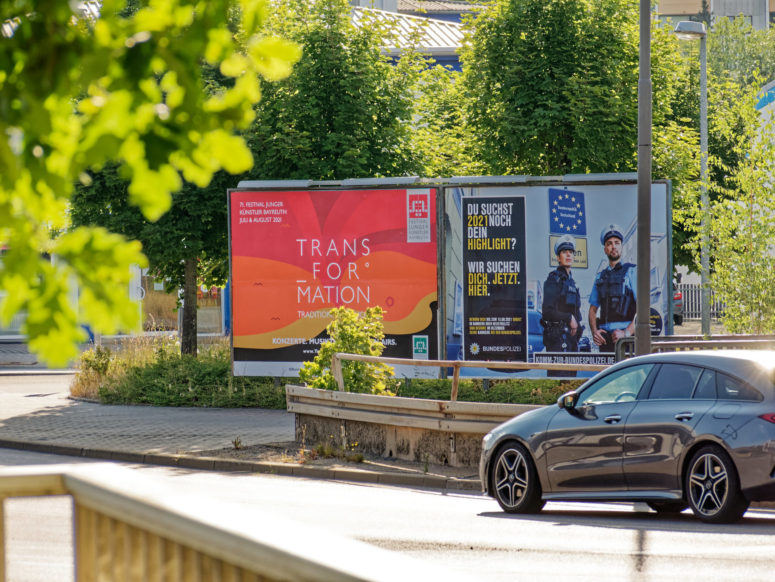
x: 78, y: 92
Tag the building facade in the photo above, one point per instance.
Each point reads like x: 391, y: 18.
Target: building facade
x: 759, y: 13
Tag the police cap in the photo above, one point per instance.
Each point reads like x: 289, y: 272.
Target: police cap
x: 609, y: 231
x: 565, y: 243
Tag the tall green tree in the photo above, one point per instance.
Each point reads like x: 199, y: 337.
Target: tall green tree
x: 346, y: 110
x: 742, y: 230
x: 740, y: 62
x: 676, y: 134
x: 76, y: 94
x: 738, y: 51
x: 553, y: 85
x: 444, y: 142
x: 188, y: 245
x: 742, y: 164
x: 552, y: 89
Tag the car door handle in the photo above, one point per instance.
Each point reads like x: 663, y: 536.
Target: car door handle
x: 684, y: 416
x: 613, y: 419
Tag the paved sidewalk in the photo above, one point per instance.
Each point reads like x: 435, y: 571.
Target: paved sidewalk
x: 35, y: 408
x: 36, y: 414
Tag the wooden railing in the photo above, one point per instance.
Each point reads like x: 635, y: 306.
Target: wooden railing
x: 131, y: 528
x: 456, y: 365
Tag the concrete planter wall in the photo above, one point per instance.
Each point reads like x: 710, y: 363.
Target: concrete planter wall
x: 436, y: 431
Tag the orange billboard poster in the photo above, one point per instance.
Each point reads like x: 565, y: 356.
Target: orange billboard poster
x: 295, y: 255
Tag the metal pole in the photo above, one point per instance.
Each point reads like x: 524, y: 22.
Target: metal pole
x: 643, y: 303
x: 705, y: 206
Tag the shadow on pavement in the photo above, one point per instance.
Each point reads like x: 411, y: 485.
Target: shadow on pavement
x: 760, y: 522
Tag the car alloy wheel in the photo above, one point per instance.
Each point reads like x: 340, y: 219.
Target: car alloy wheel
x: 514, y: 480
x: 712, y: 487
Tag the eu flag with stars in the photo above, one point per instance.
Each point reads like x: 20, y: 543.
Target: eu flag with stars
x: 566, y: 212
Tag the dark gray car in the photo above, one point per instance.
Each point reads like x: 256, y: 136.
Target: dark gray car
x: 675, y: 430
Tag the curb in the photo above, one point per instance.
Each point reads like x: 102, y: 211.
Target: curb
x: 18, y: 360
x: 234, y: 466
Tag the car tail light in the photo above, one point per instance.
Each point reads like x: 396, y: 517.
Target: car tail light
x: 677, y: 296
x: 770, y: 417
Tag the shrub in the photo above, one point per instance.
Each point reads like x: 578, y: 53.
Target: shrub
x: 351, y: 332
x: 513, y: 391
x: 152, y: 371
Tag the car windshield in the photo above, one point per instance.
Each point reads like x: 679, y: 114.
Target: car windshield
x: 619, y: 386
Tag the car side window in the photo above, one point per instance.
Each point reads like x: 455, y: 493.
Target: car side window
x: 733, y: 389
x: 706, y: 387
x: 674, y: 381
x: 620, y: 386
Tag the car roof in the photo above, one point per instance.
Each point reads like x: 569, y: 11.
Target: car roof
x: 721, y: 358
x: 755, y: 366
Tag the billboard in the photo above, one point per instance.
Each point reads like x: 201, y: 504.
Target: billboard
x: 295, y: 254
x: 500, y: 255
x: 495, y: 297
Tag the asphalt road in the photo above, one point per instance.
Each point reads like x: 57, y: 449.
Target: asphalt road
x: 464, y: 532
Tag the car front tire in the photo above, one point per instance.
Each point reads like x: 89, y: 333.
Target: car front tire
x: 713, y: 487
x: 514, y: 479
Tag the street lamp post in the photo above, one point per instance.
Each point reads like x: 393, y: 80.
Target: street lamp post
x: 643, y: 285
x: 687, y: 30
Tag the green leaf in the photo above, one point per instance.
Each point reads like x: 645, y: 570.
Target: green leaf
x: 235, y: 65
x: 232, y: 153
x: 274, y: 57
x: 151, y: 190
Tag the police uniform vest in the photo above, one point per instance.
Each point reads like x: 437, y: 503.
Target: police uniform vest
x: 567, y: 300
x: 617, y: 301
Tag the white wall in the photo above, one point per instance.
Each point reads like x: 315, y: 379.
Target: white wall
x: 757, y: 10
x: 389, y: 5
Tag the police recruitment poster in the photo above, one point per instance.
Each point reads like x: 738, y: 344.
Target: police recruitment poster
x: 297, y: 254
x: 548, y: 270
x: 494, y: 290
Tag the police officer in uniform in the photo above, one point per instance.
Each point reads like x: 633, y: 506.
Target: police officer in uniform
x: 561, y: 308
x: 612, y: 301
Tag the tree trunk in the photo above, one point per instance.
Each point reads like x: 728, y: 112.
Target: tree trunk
x: 188, y: 333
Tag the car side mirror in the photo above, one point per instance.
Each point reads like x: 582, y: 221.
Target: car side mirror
x: 568, y: 400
